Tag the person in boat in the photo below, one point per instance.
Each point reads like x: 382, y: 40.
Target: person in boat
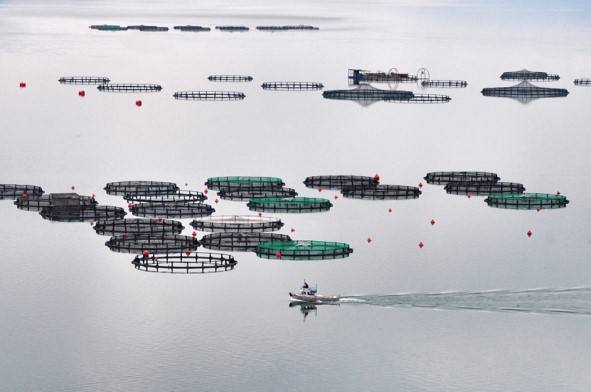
x: 305, y: 286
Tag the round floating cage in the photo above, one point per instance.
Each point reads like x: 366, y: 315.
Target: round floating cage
x: 483, y: 188
x: 130, y: 88
x: 524, y: 74
x: 288, y: 27
x: 340, y: 181
x: 173, y: 210
x: 229, y: 78
x: 583, y: 82
x: 444, y: 83
x: 141, y: 188
x: 178, y: 197
x: 442, y: 178
x: 237, y: 182
x: 84, y: 80
x: 524, y: 92
x: 289, y: 204
x: 237, y: 223
x: 197, y: 262
x: 239, y: 242
x: 420, y: 98
x: 292, y: 86
x: 367, y: 93
x: 209, y: 95
x: 166, y: 243
x: 106, y: 27
x: 232, y: 28
x: 382, y: 192
x: 192, y: 28
x: 137, y: 227
x: 37, y: 203
x: 14, y: 191
x: 303, y: 250
x: 81, y: 213
x: 247, y: 193
x: 526, y: 201
x: 148, y: 28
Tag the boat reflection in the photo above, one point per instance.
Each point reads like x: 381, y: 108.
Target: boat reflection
x: 307, y: 308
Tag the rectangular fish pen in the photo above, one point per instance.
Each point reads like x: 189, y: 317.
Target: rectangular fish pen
x: 209, y: 95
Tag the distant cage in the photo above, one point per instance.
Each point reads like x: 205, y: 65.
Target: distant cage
x: 229, y: 78
x: 442, y: 178
x: 524, y: 74
x: 340, y: 181
x: 13, y: 191
x: 141, y: 188
x: 420, y: 98
x: 177, y: 197
x: 247, y: 193
x: 526, y: 201
x: 197, y: 262
x: 239, y: 242
x: 209, y: 95
x: 130, y: 88
x: 37, y: 203
x: 358, y: 75
x: 367, y: 93
x: 237, y: 223
x: 303, y: 250
x: 288, y: 27
x: 382, y: 192
x: 173, y: 210
x: 292, y: 86
x: 82, y: 213
x: 583, y: 82
x: 444, y: 83
x: 235, y: 182
x: 483, y: 188
x: 166, y: 243
x: 232, y: 28
x: 192, y: 28
x: 135, y: 226
x: 524, y: 89
x: 84, y: 80
x: 289, y: 204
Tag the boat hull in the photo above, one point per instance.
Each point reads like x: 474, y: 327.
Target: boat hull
x: 313, y: 298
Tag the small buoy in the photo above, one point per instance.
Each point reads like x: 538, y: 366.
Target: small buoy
x: 432, y: 222
x: 125, y: 235
x: 160, y: 219
x: 81, y: 93
x: 538, y: 209
x: 468, y: 195
x: 260, y: 214
x: 130, y: 206
x: 194, y: 234
x: 216, y: 200
x: 420, y: 184
x: 377, y: 177
x: 93, y: 195
x: 138, y: 103
x: 389, y: 210
x: 92, y: 223
x: 292, y: 229
x: 319, y: 189
x: 186, y: 184
x: 73, y: 187
x: 25, y: 196
x: 529, y: 233
x: 188, y: 252
x: 558, y: 193
x: 146, y: 253
x: 421, y: 245
x: 336, y: 197
x: 156, y: 259
x: 206, y: 191
x: 22, y: 85
x: 278, y: 255
x: 369, y: 240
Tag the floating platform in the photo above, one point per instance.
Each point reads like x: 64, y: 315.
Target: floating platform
x: 246, y: 182
x: 340, y: 181
x: 303, y: 250
x: 524, y: 74
x: 196, y: 262
x: 442, y: 178
x: 444, y: 83
x: 130, y: 88
x: 421, y: 98
x: 81, y: 213
x: 357, y: 76
x: 178, y: 197
x: 192, y: 28
x: 524, y: 92
x: 147, y: 28
x: 382, y: 192
x: 477, y: 188
x: 247, y: 193
x: 209, y: 95
x: 582, y: 82
x: 526, y: 201
x: 173, y: 210
x: 135, y: 226
x: 229, y: 78
x: 83, y: 80
x: 37, y: 203
x: 14, y: 191
x: 107, y: 27
x: 289, y: 204
x: 237, y: 223
x: 141, y: 188
x: 288, y: 27
x: 232, y: 28
x: 166, y: 243
x: 366, y: 93
x: 292, y: 86
x: 239, y: 242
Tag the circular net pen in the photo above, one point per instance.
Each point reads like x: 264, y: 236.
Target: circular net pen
x: 83, y: 80
x: 303, y: 250
x: 167, y: 243
x: 14, y: 191
x: 444, y: 83
x: 524, y: 74
x: 526, y: 201
x: 237, y: 223
x: 229, y: 78
x: 174, y: 210
x: 232, y: 28
x: 524, y: 92
x: 197, y: 262
x: 340, y: 181
x: 583, y: 82
x: 37, y: 203
x: 247, y: 193
x: 382, y: 192
x: 238, y: 182
x: 239, y: 242
x: 483, y: 188
x: 81, y: 213
x: 178, y: 197
x: 292, y: 86
x: 143, y: 188
x: 209, y: 95
x: 288, y: 27
x: 367, y: 94
x: 442, y: 178
x: 137, y: 227
x: 420, y: 98
x: 130, y: 88
x: 289, y: 204
x: 192, y: 28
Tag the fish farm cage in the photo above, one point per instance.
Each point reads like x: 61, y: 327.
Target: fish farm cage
x: 232, y: 28
x: 421, y: 98
x: 84, y: 80
x: 476, y: 188
x: 442, y: 178
x: 292, y: 86
x: 367, y: 93
x: 524, y: 91
x: 197, y: 262
x: 106, y: 27
x: 14, y: 191
x: 303, y: 250
x: 583, y: 82
x: 289, y: 204
x: 178, y: 197
x: 340, y: 181
x: 209, y: 95
x: 147, y: 28
x: 236, y: 182
x: 130, y: 88
x: 145, y: 188
x: 524, y: 74
x: 237, y: 223
x: 382, y: 192
x: 229, y: 78
x: 444, y: 83
x: 526, y: 201
x: 174, y: 210
x: 137, y: 227
x: 357, y: 76
x: 166, y: 243
x: 37, y: 203
x: 239, y: 242
x: 192, y: 28
x: 247, y: 193
x: 288, y: 27
x: 81, y: 213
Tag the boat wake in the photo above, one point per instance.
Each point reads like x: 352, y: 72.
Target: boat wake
x: 576, y: 301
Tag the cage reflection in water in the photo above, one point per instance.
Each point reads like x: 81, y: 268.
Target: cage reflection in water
x: 81, y: 213
x: 14, y: 191
x: 289, y: 204
x: 444, y: 177
x: 340, y: 181
x: 164, y: 243
x: 476, y: 188
x: 37, y: 203
x: 526, y: 201
x: 239, y: 242
x: 172, y: 210
x: 237, y: 223
x: 179, y: 197
x: 137, y: 226
x: 382, y: 192
x: 303, y: 250
x: 197, y: 262
x: 123, y: 188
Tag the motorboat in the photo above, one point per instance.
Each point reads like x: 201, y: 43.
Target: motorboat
x: 310, y: 295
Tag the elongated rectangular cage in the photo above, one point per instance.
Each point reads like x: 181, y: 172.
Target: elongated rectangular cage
x: 245, y: 182
x: 84, y: 80
x: 14, y: 191
x: 524, y: 74
x: 136, y: 226
x: 247, y: 193
x: 37, y: 203
x: 173, y: 210
x: 303, y: 250
x: 179, y: 197
x: 144, y: 188
x: 583, y: 82
x: 292, y: 86
x: 483, y: 188
x: 444, y: 83
x: 442, y: 178
x: 196, y: 262
x: 289, y: 204
x: 209, y: 95
x: 239, y: 242
x: 340, y: 181
x: 232, y: 28
x: 229, y: 78
x: 192, y: 28
x: 130, y: 88
x: 237, y: 223
x: 81, y: 213
x: 526, y: 201
x: 164, y: 243
x: 382, y: 192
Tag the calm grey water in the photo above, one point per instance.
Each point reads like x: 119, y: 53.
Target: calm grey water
x: 480, y: 307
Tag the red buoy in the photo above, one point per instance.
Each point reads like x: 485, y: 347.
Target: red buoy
x: 369, y: 240
x: 389, y: 210
x: 538, y: 209
x: 186, y: 184
x: 22, y: 85
x: 81, y: 93
x: 194, y: 234
x: 146, y: 253
x: 92, y: 223
x: 529, y: 233
x: 421, y: 245
x: 432, y: 222
x: 25, y: 196
x: 260, y: 214
x: 468, y: 195
x: 216, y: 200
x: 558, y: 193
x: 73, y: 187
x: 420, y: 184
x: 188, y: 252
x: 156, y: 259
x: 160, y: 219
x: 206, y: 191
x: 125, y: 235
x: 292, y: 229
x: 138, y: 103
x: 376, y: 177
x: 130, y: 206
x: 336, y: 197
x: 319, y: 189
x: 278, y: 255
x: 93, y: 195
